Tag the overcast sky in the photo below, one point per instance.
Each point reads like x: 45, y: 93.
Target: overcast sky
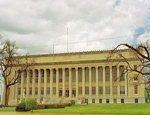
x: 36, y: 25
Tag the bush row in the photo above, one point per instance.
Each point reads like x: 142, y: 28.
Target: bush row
x: 23, y: 106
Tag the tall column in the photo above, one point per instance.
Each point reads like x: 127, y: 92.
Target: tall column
x: 96, y: 81
x: 129, y: 84
x: 104, y: 92
x: 45, y: 83
x: 90, y: 83
x: 118, y: 81
x: 64, y: 92
x: 77, y: 82
x: 51, y: 82
x: 22, y: 84
x: 39, y: 83
x: 57, y: 82
x: 28, y: 83
x: 83, y: 81
x: 70, y: 79
x: 111, y: 86
x: 33, y: 84
x: 126, y: 75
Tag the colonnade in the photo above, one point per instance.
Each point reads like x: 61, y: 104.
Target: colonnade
x: 63, y: 84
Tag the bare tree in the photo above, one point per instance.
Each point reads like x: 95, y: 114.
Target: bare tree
x: 142, y: 54
x: 9, y: 58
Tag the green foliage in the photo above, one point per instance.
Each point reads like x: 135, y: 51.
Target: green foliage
x: 145, y: 94
x: 72, y: 102
x: 31, y: 104
x: 50, y: 106
x: 21, y: 106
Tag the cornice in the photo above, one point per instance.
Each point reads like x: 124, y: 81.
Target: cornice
x: 84, y: 62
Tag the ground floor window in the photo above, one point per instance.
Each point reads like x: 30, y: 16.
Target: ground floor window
x: 93, y: 100
x: 86, y: 100
x: 107, y: 100
x: 136, y: 100
x: 115, y: 100
x: 100, y: 100
x: 122, y: 100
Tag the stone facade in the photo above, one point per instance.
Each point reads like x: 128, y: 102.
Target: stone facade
x: 81, y: 76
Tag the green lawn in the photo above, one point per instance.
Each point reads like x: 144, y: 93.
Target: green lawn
x: 96, y: 109
x: 102, y: 108
x: 7, y: 109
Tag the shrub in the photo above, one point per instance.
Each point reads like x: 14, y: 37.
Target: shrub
x: 21, y: 106
x: 31, y: 104
x: 51, y: 106
x: 72, y: 102
x: 40, y: 106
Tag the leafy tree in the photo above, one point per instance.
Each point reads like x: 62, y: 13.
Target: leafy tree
x: 31, y: 104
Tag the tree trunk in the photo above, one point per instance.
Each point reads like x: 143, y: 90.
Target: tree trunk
x: 6, y: 97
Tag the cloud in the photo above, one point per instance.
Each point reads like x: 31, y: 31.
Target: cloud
x: 33, y: 23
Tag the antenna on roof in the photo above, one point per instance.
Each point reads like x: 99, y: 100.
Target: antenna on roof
x: 67, y: 39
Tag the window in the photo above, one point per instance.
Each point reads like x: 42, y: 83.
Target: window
x: 100, y: 100
x: 107, y: 89
x: 86, y: 100
x: 80, y: 74
x: 54, y: 90
x: 54, y: 75
x: 100, y: 74
x: 30, y: 91
x: 114, y: 89
x: 136, y: 100
x: 19, y: 91
x: 93, y: 72
x: 121, y: 73
x: 19, y: 76
x: 25, y: 76
x: 42, y: 90
x: 66, y: 75
x: 42, y: 76
x: 36, y: 76
x: 86, y: 90
x: 31, y: 75
x: 114, y: 73
x: 135, y: 89
x: 48, y: 90
x: 135, y: 77
x: 36, y: 91
x: 93, y: 90
x: 93, y: 100
x: 115, y: 100
x: 135, y: 67
x: 122, y: 100
x: 107, y: 100
x: 86, y: 74
x: 122, y: 90
x: 60, y: 75
x: 107, y: 73
x: 80, y: 90
x: 73, y: 75
x: 48, y: 76
x: 100, y: 90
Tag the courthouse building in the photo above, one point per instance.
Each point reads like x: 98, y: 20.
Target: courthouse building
x: 81, y: 76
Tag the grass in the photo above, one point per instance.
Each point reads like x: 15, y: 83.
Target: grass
x: 102, y: 108
x: 96, y: 109
x: 7, y: 109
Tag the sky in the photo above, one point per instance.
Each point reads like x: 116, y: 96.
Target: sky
x: 38, y: 25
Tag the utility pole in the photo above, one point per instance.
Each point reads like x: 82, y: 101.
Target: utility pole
x: 67, y: 39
